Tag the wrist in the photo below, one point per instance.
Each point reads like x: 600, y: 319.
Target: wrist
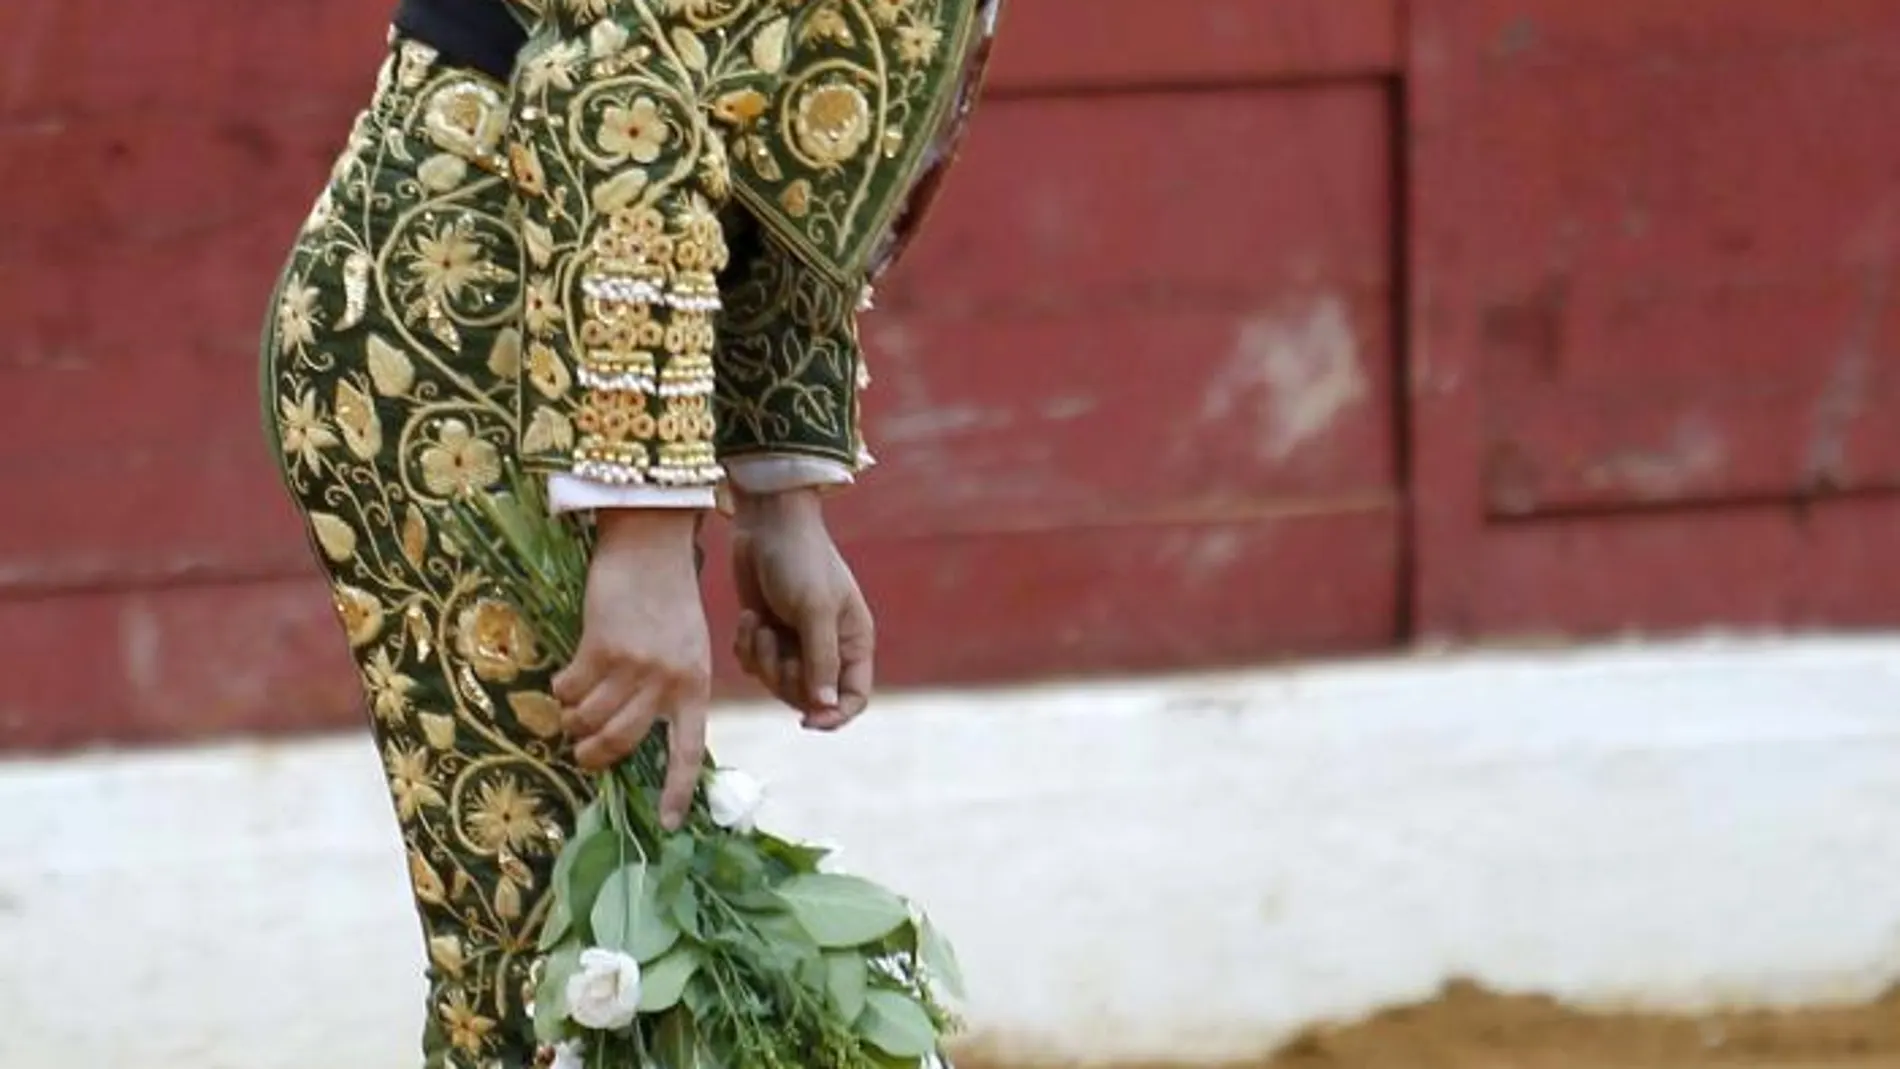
x: 804, y: 505
x: 659, y: 529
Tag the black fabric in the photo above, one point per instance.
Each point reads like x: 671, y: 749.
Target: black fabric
x: 479, y: 34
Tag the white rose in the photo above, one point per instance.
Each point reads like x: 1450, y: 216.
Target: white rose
x: 605, y: 993
x: 734, y: 799
x: 568, y: 1056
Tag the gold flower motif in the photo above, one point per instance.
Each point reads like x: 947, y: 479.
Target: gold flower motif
x: 547, y: 429
x: 442, y: 172
x: 468, y: 1030
x: 741, y: 107
x: 495, y: 641
x: 459, y: 462
x: 447, y: 954
x: 388, y: 687
x: 552, y: 68
x: 887, y: 12
x: 537, y: 712
x: 505, y: 817
x: 361, y: 613
x: 466, y: 118
x: 504, y: 359
x: 448, y: 261
x: 524, y: 166
x: 796, y: 199
x: 541, y: 308
x: 411, y: 780
x: 828, y: 24
x: 546, y: 371
x: 296, y: 315
x: 832, y: 122
x: 638, y: 131
x: 917, y: 43
x: 305, y: 436
x: 356, y: 418
x: 426, y: 881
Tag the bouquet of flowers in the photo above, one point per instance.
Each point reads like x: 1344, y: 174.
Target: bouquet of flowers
x: 718, y: 946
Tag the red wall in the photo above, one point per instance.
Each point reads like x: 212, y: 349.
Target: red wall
x: 1252, y: 331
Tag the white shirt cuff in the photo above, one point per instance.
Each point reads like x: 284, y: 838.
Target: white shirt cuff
x: 571, y: 493
x: 775, y: 473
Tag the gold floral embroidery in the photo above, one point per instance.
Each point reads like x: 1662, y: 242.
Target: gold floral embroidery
x: 505, y: 816
x: 361, y: 613
x: 468, y: 1029
x: 459, y: 462
x: 832, y: 123
x: 411, y: 780
x: 493, y: 638
x: 394, y: 352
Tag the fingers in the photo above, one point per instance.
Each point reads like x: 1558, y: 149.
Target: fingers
x: 571, y: 685
x: 818, y: 640
x: 767, y: 652
x: 686, y: 754
x: 857, y: 647
x: 621, y: 735
x: 593, y: 712
x: 744, y: 640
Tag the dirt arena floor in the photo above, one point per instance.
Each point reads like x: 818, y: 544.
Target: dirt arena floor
x: 1468, y: 1028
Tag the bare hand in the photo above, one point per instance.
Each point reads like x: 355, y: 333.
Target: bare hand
x: 805, y: 631
x: 644, y: 655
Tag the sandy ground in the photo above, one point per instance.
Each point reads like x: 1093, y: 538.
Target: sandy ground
x: 1469, y: 1028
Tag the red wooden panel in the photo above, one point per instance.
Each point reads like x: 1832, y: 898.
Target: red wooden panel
x: 1068, y: 44
x: 1155, y: 201
x: 1600, y: 450
x: 123, y: 183
x: 995, y: 426
x: 1828, y: 565
x: 1561, y: 31
x: 1652, y: 269
x: 1651, y: 266
x: 171, y: 664
x: 69, y: 58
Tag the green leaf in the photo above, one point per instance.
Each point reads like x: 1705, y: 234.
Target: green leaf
x: 939, y: 960
x: 679, y: 1045
x: 842, y: 911
x: 664, y: 982
x: 795, y: 857
x: 683, y: 908
x: 676, y: 864
x: 896, y: 1025
x: 628, y: 917
x: 550, y: 996
x: 737, y: 866
x: 559, y: 922
x: 594, y: 859
x: 845, y: 980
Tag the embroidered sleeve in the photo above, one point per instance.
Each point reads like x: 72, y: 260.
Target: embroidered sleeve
x: 788, y: 359
x: 621, y: 169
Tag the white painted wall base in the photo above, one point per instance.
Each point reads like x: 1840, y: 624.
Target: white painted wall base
x: 1182, y: 868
